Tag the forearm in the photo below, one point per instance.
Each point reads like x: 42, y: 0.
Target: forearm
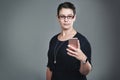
x: 48, y: 74
x: 85, y: 68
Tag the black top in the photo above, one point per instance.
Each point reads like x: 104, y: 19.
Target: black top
x: 66, y: 67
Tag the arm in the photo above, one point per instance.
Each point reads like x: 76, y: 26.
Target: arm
x: 48, y: 74
x: 85, y: 68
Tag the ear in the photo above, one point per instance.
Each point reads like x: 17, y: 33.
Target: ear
x: 74, y: 17
x: 57, y: 17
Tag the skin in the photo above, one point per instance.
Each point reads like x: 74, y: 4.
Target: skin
x: 67, y: 32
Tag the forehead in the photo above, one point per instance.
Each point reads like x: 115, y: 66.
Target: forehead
x: 66, y: 11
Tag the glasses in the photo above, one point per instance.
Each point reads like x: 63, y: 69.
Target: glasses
x: 62, y: 17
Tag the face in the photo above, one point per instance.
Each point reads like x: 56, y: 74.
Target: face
x: 66, y: 18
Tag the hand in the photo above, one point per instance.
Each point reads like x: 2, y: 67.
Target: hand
x: 76, y: 52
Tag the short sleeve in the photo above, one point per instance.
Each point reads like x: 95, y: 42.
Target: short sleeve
x: 86, y: 48
x: 49, y: 55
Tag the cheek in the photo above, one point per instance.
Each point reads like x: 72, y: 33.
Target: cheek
x: 72, y: 23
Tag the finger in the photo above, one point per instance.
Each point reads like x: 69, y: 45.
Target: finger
x: 71, y: 51
x: 71, y: 54
x: 71, y: 47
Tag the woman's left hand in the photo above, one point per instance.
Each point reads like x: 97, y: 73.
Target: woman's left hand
x: 76, y: 52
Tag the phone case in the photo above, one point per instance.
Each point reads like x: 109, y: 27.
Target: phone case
x: 73, y: 42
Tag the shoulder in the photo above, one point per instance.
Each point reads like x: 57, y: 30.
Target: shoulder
x: 54, y: 38
x: 83, y: 39
x: 81, y: 36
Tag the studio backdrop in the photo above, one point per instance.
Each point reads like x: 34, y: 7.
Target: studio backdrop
x: 26, y: 26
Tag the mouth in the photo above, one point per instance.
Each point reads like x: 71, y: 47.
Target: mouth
x: 66, y: 24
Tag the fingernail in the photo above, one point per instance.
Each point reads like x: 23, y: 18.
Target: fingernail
x: 68, y: 45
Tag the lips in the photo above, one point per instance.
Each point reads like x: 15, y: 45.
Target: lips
x: 66, y: 24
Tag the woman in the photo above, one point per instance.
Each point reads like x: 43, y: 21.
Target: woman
x: 66, y: 62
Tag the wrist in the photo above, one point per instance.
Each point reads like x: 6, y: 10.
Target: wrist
x: 84, y: 61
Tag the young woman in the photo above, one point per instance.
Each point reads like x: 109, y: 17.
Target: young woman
x: 66, y: 62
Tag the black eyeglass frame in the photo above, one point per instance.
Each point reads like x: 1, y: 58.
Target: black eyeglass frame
x: 64, y: 17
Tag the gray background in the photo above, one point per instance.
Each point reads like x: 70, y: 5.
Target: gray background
x: 26, y: 27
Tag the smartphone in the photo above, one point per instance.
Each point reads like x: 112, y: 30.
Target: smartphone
x: 73, y: 42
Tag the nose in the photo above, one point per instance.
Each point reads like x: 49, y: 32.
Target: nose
x: 65, y: 19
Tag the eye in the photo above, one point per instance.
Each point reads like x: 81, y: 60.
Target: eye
x: 69, y: 17
x: 62, y: 16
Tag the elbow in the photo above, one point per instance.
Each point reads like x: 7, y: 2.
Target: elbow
x: 85, y: 71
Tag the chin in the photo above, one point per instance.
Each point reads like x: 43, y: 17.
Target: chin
x: 65, y: 28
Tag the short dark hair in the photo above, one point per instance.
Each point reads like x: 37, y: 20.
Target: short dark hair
x: 66, y: 5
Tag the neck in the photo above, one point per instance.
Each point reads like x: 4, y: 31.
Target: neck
x: 68, y: 32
